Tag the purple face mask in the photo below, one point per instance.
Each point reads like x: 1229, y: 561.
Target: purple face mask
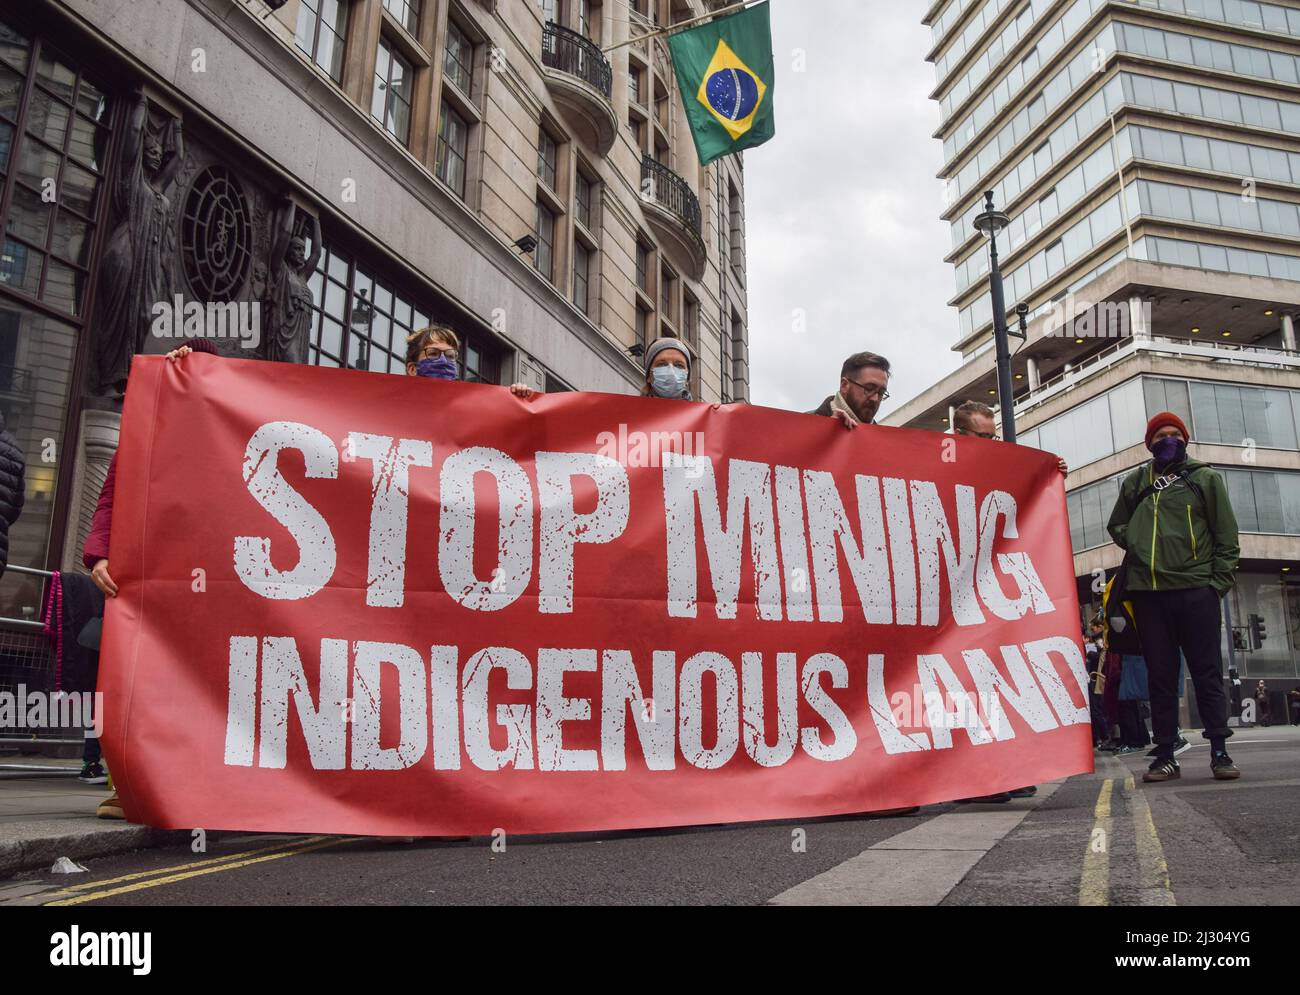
x: 440, y: 368
x: 1169, y: 450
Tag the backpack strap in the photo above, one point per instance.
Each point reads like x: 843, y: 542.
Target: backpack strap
x: 1165, y: 481
x: 1168, y: 480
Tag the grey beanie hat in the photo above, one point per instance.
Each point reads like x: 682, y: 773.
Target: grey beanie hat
x: 667, y: 342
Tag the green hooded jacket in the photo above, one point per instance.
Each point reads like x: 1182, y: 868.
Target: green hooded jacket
x: 1177, y: 541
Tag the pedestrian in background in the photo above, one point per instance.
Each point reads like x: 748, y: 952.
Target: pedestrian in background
x: 1263, y: 710
x: 1133, y: 696
x: 1095, y: 647
x: 1175, y: 523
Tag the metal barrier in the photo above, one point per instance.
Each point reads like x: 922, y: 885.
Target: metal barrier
x: 26, y: 667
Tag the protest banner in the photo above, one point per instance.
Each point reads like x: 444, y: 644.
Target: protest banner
x: 355, y: 603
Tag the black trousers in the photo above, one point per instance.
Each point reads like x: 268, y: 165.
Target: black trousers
x: 1132, y: 730
x: 1189, y: 620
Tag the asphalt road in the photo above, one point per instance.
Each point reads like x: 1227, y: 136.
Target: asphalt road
x: 1098, y: 839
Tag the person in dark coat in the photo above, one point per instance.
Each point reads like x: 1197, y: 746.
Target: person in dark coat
x: 13, y: 487
x: 1133, y: 696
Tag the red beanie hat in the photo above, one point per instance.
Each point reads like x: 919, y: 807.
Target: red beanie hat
x: 1163, y: 419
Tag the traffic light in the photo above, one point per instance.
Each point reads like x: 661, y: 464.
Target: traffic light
x: 1258, y: 632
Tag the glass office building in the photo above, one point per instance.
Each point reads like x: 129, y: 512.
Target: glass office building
x: 1147, y: 153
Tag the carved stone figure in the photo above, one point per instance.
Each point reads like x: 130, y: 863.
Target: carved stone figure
x: 287, y: 307
x: 136, y: 269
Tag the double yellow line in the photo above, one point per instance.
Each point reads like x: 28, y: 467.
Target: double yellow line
x: 93, y: 891
x: 1153, y: 872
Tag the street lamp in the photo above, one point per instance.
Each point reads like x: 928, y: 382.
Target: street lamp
x: 989, y: 224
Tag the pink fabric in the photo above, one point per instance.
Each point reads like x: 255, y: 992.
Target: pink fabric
x: 52, y: 618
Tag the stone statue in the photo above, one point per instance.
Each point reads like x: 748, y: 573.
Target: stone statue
x: 137, y: 264
x: 287, y: 306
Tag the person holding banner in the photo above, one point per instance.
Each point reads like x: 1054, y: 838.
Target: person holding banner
x: 94, y: 556
x: 863, y: 379
x: 434, y: 353
x: 667, y: 370
x: 976, y: 418
x: 1175, y: 523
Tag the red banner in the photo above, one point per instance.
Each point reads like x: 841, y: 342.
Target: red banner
x: 355, y: 603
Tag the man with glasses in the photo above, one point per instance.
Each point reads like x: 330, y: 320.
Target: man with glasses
x: 863, y: 379
x: 974, y: 418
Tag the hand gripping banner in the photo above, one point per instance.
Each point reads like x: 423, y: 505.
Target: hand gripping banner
x: 354, y: 603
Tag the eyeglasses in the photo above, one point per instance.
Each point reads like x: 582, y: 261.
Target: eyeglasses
x: 870, y: 391
x: 433, y: 352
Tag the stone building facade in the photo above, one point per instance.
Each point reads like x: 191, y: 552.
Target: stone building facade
x: 377, y: 164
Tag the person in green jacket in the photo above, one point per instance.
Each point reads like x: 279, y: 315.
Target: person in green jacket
x: 1176, y: 525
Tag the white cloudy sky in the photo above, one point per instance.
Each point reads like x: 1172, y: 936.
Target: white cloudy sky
x: 842, y: 206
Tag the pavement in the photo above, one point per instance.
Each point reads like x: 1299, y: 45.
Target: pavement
x: 46, y: 813
x: 1098, y: 839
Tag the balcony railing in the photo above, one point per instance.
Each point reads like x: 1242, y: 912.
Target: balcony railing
x: 1208, y: 349
x: 671, y: 192
x: 15, y: 379
x: 577, y: 55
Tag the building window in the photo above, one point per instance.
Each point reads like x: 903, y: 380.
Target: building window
x: 548, y: 154
x: 407, y: 13
x: 728, y: 336
x: 643, y: 335
x: 56, y: 135
x: 391, y: 105
x: 634, y: 85
x: 361, y: 321
x: 643, y: 267
x: 553, y: 10
x: 584, y: 18
x: 322, y: 33
x: 581, y: 276
x: 453, y: 136
x: 544, y: 258
x: 690, y: 319
x: 736, y: 228
x: 458, y: 61
x: 668, y: 295
x: 53, y: 126
x: 584, y: 194
x: 690, y: 334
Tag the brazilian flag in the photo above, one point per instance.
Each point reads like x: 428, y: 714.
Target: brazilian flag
x: 724, y: 70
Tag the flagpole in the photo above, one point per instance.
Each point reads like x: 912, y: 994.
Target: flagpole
x: 680, y: 24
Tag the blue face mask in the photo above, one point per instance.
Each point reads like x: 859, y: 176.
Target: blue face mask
x: 668, y: 381
x: 1169, y: 450
x: 440, y: 368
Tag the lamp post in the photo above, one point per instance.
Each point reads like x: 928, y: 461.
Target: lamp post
x: 990, y: 223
